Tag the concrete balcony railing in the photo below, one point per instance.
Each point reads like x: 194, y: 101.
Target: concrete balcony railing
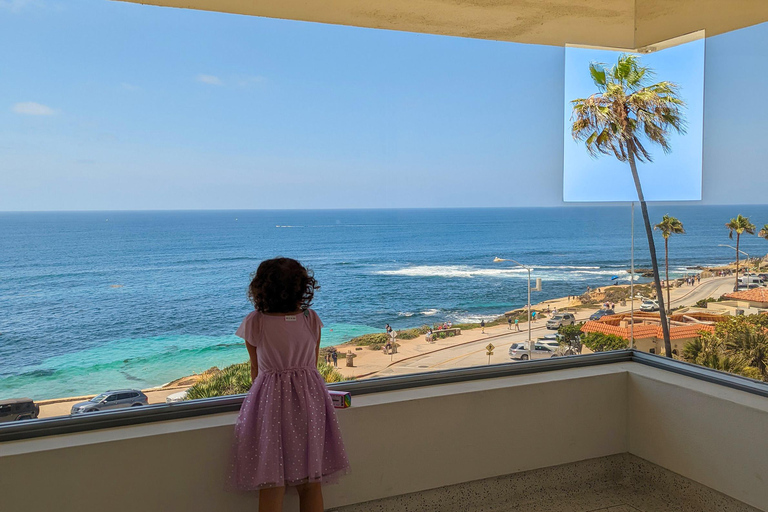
x: 582, y: 433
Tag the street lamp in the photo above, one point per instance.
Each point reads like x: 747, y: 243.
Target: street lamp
x: 530, y: 344
x: 735, y: 249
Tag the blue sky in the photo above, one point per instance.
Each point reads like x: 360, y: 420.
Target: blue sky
x: 675, y: 176
x: 109, y: 105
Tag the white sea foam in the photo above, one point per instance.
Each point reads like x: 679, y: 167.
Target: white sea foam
x: 450, y: 271
x: 471, y: 319
x: 430, y: 312
x: 468, y: 272
x: 405, y: 313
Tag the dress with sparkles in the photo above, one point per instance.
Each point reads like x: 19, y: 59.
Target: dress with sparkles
x: 287, y: 432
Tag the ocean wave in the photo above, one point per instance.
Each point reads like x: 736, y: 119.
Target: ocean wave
x: 449, y: 271
x: 468, y: 272
x: 405, y: 313
x: 430, y: 312
x: 467, y: 318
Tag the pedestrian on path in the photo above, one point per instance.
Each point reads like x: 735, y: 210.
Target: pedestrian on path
x: 482, y: 326
x: 335, y: 357
x: 509, y: 323
x: 517, y: 324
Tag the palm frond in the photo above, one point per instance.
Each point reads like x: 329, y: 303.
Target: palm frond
x: 626, y: 111
x: 670, y: 226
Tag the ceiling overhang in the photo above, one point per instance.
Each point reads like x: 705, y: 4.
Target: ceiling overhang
x: 628, y: 24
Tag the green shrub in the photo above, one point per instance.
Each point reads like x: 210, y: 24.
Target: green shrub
x: 409, y: 334
x: 570, y: 333
x: 236, y: 379
x: 465, y: 326
x: 703, y: 302
x: 617, y: 294
x: 329, y: 373
x: 379, y: 338
x: 599, y: 342
x: 232, y: 380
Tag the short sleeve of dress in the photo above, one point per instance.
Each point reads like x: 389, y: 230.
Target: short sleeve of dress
x: 315, y: 324
x: 249, y: 328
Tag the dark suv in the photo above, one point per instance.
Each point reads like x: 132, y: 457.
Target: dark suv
x: 18, y: 409
x: 107, y: 401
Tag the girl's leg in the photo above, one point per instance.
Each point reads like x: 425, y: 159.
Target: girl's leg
x: 310, y: 497
x: 271, y: 499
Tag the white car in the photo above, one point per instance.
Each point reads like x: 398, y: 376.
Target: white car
x: 179, y: 396
x: 649, y: 305
x: 550, y: 340
x: 540, y: 351
x: 561, y: 319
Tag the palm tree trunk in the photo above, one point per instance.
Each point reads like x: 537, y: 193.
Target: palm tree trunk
x: 666, y: 273
x: 738, y: 235
x: 652, y: 247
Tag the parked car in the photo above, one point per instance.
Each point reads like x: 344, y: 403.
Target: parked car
x: 751, y: 279
x: 540, y: 351
x: 649, y: 305
x: 749, y: 286
x: 179, y: 396
x: 17, y: 409
x: 117, y: 399
x: 561, y: 319
x: 600, y: 313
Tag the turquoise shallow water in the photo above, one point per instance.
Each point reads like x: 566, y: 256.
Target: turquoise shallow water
x: 98, y: 300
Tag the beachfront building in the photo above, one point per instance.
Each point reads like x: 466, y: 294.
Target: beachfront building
x: 618, y: 431
x: 745, y: 302
x: 646, y: 329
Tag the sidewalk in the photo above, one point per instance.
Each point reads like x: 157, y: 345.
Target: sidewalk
x: 369, y: 362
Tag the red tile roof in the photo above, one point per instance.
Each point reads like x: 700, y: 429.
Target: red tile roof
x: 641, y: 331
x: 753, y: 295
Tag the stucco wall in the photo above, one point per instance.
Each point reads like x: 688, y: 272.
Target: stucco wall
x: 398, y: 442
x: 406, y: 441
x: 711, y: 434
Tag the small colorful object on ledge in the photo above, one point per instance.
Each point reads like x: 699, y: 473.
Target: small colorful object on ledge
x: 341, y: 399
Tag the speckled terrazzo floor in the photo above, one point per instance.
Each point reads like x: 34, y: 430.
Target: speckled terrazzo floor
x: 620, y: 483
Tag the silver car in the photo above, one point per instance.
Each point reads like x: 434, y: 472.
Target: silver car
x: 540, y: 351
x: 117, y: 399
x: 561, y: 319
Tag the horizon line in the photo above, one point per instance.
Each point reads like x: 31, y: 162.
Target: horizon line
x: 564, y: 205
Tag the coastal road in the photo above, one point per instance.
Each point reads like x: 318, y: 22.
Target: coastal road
x: 474, y: 354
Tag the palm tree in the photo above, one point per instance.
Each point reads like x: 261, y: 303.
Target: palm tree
x: 668, y: 226
x: 752, y: 346
x: 612, y: 121
x: 739, y: 225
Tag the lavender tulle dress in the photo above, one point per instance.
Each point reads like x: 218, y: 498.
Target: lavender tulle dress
x: 287, y: 433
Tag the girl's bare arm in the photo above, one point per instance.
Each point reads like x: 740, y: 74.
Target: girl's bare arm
x: 254, y: 361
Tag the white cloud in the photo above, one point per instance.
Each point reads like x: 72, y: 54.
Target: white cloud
x: 30, y: 108
x: 209, y: 79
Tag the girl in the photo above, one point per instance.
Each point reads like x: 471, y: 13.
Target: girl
x: 286, y: 434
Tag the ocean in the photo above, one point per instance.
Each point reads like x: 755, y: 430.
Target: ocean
x: 96, y: 300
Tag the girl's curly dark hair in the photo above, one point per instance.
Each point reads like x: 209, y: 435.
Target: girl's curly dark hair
x: 282, y: 285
